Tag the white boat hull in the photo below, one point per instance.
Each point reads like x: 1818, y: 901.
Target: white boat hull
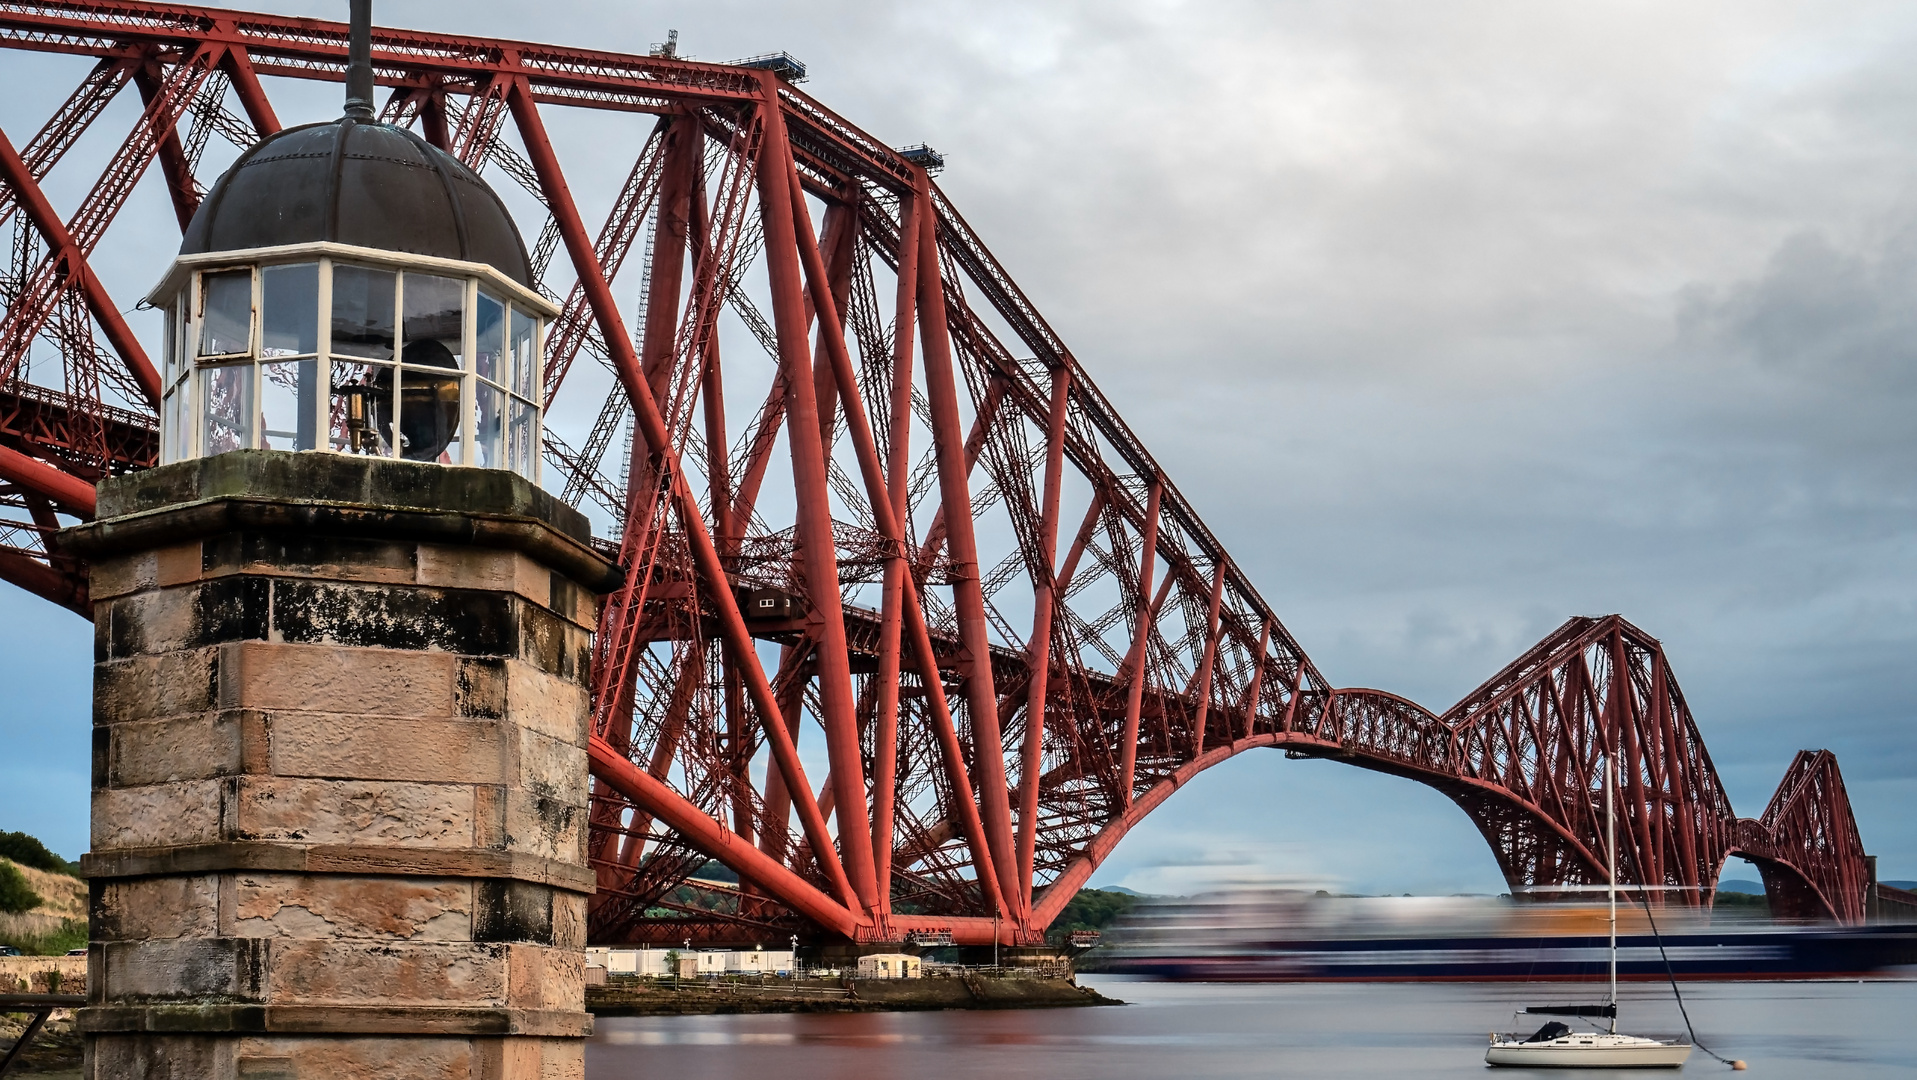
x: 1581, y: 1051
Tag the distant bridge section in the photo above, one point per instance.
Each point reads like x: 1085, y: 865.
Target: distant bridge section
x: 1524, y: 755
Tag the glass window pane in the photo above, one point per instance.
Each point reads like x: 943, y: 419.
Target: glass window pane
x: 428, y: 414
x: 361, y: 410
x: 226, y: 312
x: 525, y: 363
x: 287, y: 393
x: 226, y: 408
x: 186, y: 441
x: 289, y: 325
x: 363, y: 312
x: 176, y: 327
x: 490, y: 437
x: 435, y: 321
x: 491, y: 351
x: 173, y: 421
x: 519, y: 436
x: 172, y: 368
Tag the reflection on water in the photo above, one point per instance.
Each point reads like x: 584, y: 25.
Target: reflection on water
x: 1200, y: 1031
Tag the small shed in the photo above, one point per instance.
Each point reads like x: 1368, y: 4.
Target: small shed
x: 889, y: 966
x: 759, y: 961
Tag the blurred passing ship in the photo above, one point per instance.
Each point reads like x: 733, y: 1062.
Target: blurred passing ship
x: 1293, y: 936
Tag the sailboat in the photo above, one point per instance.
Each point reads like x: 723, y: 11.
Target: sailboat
x: 1556, y: 1045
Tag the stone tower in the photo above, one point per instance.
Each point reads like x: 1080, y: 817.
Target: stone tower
x: 342, y: 639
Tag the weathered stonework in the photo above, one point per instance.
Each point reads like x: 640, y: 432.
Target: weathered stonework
x: 339, y: 772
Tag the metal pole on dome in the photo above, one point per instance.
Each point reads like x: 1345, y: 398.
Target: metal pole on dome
x: 359, y: 62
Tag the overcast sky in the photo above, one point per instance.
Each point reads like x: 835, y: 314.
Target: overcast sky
x: 1452, y: 320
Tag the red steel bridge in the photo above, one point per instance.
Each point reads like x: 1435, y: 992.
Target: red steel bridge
x: 893, y: 514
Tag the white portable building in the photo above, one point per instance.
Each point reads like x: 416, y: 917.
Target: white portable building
x: 889, y: 966
x: 759, y: 962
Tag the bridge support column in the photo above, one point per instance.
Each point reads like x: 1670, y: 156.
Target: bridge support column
x: 339, y: 779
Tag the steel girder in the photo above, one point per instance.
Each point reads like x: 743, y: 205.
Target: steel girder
x: 967, y: 576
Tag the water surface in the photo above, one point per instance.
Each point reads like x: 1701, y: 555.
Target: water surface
x: 1198, y: 1031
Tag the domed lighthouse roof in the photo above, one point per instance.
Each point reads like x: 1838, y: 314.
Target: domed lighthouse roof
x: 361, y: 183
x: 348, y: 287
x: 358, y: 182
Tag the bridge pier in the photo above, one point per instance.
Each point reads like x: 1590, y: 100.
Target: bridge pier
x: 339, y: 780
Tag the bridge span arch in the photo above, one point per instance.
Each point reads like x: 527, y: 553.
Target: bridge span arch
x: 1523, y: 757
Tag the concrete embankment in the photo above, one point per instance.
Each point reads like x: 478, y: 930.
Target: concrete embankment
x: 649, y: 997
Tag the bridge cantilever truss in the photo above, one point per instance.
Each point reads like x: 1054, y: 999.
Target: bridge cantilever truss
x: 968, y: 577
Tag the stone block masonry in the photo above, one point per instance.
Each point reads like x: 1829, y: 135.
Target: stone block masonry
x: 339, y: 772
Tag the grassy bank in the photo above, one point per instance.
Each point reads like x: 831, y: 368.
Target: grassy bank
x: 53, y: 925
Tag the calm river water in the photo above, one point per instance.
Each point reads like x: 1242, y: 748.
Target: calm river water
x: 1187, y: 1031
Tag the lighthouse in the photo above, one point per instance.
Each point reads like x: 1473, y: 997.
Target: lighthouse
x: 340, y: 699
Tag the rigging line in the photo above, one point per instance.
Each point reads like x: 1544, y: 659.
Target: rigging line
x: 1645, y: 902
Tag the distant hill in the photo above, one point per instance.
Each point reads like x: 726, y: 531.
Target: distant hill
x: 1747, y: 886
x: 1091, y: 909
x: 58, y: 924
x: 24, y: 850
x: 714, y: 870
x: 1121, y: 889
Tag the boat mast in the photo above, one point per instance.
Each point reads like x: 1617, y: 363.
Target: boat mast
x: 1610, y: 855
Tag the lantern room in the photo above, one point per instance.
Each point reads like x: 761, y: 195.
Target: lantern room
x: 350, y: 288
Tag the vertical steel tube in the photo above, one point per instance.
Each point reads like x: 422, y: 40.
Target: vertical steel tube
x: 970, y: 823
x: 1136, y: 662
x: 1683, y: 810
x: 1624, y: 719
x: 1039, y: 652
x: 883, y: 499
x: 672, y: 230
x: 885, y: 735
x: 1291, y: 703
x: 1205, y: 663
x: 835, y: 245
x: 1257, y: 688
x: 941, y: 387
x: 777, y: 176
x: 719, y: 495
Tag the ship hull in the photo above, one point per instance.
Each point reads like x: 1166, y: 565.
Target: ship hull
x: 1589, y: 1053
x: 1808, y: 954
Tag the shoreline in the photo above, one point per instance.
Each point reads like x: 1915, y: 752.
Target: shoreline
x: 650, y: 998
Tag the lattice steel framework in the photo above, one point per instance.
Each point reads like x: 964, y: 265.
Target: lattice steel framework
x: 967, y: 576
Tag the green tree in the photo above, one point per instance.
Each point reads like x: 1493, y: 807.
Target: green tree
x: 1090, y: 909
x: 15, y: 893
x: 29, y: 851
